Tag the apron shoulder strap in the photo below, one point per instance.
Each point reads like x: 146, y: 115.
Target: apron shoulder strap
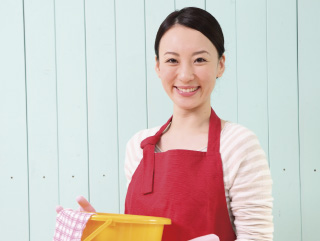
x: 214, y: 133
x: 153, y: 140
x: 148, y: 146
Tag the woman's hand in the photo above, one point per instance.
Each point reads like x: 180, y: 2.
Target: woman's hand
x: 85, y: 206
x: 209, y: 237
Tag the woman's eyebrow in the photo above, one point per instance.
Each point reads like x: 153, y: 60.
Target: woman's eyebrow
x: 195, y: 53
x: 173, y: 53
x: 201, y: 52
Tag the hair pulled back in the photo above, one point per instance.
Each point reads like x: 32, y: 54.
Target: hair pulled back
x: 195, y: 18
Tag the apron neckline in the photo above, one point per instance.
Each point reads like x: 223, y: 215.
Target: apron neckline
x: 213, y: 144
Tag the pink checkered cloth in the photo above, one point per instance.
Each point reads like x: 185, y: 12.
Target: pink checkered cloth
x: 70, y: 225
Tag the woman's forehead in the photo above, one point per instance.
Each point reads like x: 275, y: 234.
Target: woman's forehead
x: 183, y: 39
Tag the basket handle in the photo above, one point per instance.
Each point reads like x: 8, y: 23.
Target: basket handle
x: 98, y: 230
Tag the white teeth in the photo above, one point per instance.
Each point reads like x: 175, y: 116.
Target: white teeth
x: 188, y: 90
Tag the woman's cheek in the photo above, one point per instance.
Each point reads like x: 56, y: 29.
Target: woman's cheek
x: 168, y: 76
x: 208, y: 77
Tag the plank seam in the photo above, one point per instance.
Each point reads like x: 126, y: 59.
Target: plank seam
x: 26, y: 105
x: 57, y: 108
x: 145, y: 61
x: 267, y: 75
x: 298, y: 97
x: 117, y: 103
x: 86, y: 76
x: 236, y: 53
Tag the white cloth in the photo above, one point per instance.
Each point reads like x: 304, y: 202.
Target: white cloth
x: 70, y: 225
x: 209, y: 237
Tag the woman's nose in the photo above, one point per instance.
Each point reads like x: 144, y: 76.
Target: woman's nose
x: 186, y: 73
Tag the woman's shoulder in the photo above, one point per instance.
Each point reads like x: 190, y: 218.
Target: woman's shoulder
x: 236, y: 129
x: 241, y: 152
x: 239, y: 137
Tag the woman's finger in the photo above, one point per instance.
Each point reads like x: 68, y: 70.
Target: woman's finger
x: 84, y: 204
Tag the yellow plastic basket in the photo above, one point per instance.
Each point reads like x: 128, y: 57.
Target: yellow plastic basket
x: 124, y: 227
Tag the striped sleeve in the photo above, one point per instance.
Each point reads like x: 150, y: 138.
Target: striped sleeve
x: 247, y: 182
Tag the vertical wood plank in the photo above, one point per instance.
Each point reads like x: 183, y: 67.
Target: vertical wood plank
x: 283, y: 118
x: 309, y: 115
x: 102, y: 105
x: 131, y: 77
x: 72, y: 101
x: 42, y: 117
x: 224, y: 97
x: 14, y: 202
x: 159, y: 104
x: 252, y: 68
x: 190, y: 3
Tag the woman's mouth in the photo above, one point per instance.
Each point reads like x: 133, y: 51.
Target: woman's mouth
x: 187, y: 91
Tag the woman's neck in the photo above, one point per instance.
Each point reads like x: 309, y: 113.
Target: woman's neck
x: 191, y: 121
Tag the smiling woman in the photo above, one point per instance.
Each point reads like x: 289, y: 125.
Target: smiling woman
x: 209, y: 176
x: 191, y: 69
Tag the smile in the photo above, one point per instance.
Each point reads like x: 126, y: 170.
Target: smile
x: 187, y: 90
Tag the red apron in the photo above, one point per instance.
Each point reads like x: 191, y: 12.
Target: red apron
x: 185, y: 186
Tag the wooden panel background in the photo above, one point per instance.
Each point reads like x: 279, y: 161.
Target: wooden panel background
x: 14, y: 167
x: 77, y: 80
x: 42, y: 118
x: 102, y: 105
x: 309, y: 99
x: 283, y: 117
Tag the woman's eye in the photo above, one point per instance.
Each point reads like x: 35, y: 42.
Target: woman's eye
x: 171, y: 61
x: 200, y: 60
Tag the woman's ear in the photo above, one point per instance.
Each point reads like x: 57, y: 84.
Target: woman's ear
x: 221, y: 65
x: 157, y: 67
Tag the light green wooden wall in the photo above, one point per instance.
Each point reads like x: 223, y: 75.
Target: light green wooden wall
x: 77, y: 81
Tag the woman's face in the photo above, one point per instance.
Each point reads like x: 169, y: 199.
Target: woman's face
x: 188, y: 66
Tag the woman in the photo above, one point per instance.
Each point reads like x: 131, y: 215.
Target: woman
x: 208, y: 175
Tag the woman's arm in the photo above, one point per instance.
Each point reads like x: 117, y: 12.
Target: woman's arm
x: 249, y: 183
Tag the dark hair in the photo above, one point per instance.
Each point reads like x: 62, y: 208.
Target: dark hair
x: 195, y: 18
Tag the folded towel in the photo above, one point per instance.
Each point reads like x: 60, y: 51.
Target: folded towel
x: 70, y: 225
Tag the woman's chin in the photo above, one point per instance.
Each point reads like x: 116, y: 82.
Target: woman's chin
x: 191, y: 105
x: 186, y: 107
